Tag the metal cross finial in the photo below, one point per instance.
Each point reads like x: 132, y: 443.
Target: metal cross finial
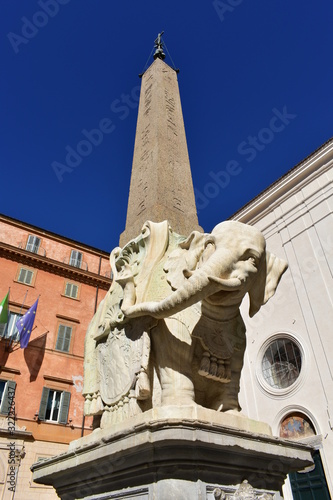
x: 159, y: 47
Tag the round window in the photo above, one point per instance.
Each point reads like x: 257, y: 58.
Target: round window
x: 281, y: 363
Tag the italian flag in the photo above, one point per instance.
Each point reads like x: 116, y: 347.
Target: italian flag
x: 4, y: 310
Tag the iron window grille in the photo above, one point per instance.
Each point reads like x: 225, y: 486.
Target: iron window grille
x: 281, y: 363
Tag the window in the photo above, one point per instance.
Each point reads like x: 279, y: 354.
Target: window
x: 7, y: 391
x: 312, y: 484
x: 33, y: 244
x: 296, y: 426
x: 8, y: 330
x: 281, y: 363
x: 54, y: 405
x: 71, y: 290
x: 63, y: 338
x: 75, y: 259
x: 25, y: 276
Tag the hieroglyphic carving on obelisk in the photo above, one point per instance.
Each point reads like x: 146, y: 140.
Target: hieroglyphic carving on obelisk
x: 161, y: 183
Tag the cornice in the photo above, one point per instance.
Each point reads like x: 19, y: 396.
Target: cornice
x: 38, y: 231
x: 303, y: 173
x: 53, y: 266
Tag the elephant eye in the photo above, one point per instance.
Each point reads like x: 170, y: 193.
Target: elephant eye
x: 252, y: 257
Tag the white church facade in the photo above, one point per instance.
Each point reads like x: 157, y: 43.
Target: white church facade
x: 287, y: 378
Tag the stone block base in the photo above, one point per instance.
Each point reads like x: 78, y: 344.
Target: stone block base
x: 171, y: 453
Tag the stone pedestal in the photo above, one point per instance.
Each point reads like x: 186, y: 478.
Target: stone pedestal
x: 175, y: 453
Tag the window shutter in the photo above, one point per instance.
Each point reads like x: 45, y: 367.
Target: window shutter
x: 43, y: 403
x: 76, y: 258
x: 25, y: 276
x: 3, y: 327
x: 33, y: 244
x: 60, y: 338
x: 28, y: 277
x: 67, y: 339
x: 6, y: 400
x: 64, y: 407
x: 22, y: 275
x: 12, y: 331
x: 64, y: 338
x: 71, y: 290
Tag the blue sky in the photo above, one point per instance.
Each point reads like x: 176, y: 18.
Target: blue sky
x: 256, y: 89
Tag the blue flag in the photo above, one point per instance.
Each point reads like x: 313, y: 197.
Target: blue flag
x: 25, y: 324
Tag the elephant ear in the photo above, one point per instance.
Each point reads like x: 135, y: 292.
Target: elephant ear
x: 184, y: 259
x: 267, y: 281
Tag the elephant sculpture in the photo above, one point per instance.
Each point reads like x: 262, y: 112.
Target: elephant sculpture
x: 173, y: 311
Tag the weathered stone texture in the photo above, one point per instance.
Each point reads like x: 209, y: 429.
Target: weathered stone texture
x: 161, y: 183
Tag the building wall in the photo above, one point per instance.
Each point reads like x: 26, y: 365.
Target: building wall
x: 41, y: 364
x: 295, y: 216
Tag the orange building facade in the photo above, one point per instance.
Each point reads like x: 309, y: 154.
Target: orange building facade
x: 41, y: 407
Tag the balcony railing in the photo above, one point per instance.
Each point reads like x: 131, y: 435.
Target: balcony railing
x: 80, y: 264
x: 38, y: 250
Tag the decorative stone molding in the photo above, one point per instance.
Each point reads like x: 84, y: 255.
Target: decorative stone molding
x: 244, y: 492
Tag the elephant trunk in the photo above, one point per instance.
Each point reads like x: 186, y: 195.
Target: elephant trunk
x: 198, y: 286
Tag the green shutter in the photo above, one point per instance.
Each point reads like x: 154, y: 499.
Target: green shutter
x: 64, y: 338
x: 25, y: 276
x: 22, y: 275
x: 6, y: 400
x: 43, y: 403
x: 71, y: 290
x: 60, y: 339
x: 67, y: 339
x: 28, y: 277
x: 64, y: 407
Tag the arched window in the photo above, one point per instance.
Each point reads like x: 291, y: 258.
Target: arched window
x: 296, y: 426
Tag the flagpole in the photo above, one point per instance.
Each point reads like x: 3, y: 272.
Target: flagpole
x: 26, y: 293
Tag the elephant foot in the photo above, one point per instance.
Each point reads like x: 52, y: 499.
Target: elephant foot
x: 236, y: 413
x: 231, y: 410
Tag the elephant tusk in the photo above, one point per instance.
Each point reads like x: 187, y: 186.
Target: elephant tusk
x: 228, y: 285
x: 143, y: 309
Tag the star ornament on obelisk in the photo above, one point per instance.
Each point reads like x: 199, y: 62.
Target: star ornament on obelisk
x: 161, y: 183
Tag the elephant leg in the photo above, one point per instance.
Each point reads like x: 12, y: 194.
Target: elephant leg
x: 231, y: 391
x: 173, y: 353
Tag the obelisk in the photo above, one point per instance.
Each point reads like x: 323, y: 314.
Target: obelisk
x: 161, y: 183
